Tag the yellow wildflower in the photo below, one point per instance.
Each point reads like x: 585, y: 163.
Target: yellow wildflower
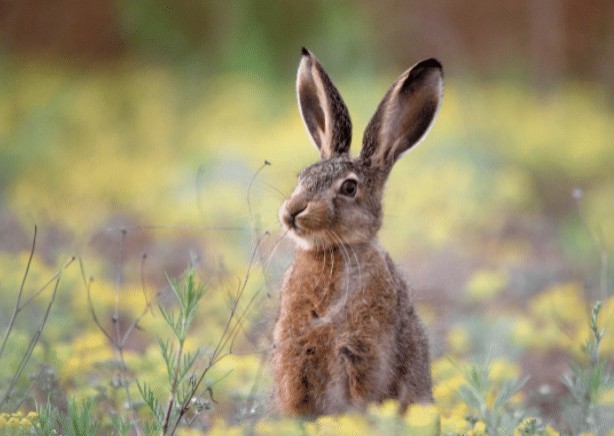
x: 549, y: 431
x: 485, y: 284
x: 453, y: 425
x: 423, y: 419
x: 185, y: 431
x: 277, y: 427
x: 523, y: 332
x: 446, y: 390
x: 502, y: 369
x: 386, y: 410
x: 458, y: 339
x: 221, y: 429
x: 479, y: 429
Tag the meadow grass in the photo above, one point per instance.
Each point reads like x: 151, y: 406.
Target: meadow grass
x: 138, y: 175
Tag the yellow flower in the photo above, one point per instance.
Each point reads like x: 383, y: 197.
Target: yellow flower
x: 560, y: 303
x: 443, y: 368
x: 479, y: 429
x: 327, y: 425
x: 453, y: 425
x: 502, y: 369
x: 549, y: 431
x: 310, y: 428
x: 523, y: 332
x: 458, y: 339
x: 220, y: 428
x: 184, y: 431
x: 459, y: 409
x: 339, y: 425
x: 88, y: 349
x: 423, y: 419
x: 386, y: 410
x: 607, y: 397
x: 277, y: 427
x: 485, y: 284
x: 446, y: 390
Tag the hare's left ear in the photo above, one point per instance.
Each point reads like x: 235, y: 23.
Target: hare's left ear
x: 404, y: 116
x: 322, y: 108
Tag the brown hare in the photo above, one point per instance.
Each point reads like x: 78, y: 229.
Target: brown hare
x: 347, y: 332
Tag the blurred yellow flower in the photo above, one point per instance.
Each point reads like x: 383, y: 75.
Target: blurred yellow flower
x: 280, y: 427
x: 349, y: 424
x: 186, y: 431
x: 458, y: 339
x: 549, y: 431
x: 87, y: 349
x: 447, y: 389
x: 219, y: 428
x: 523, y: 331
x: 502, y: 369
x: 560, y: 303
x: 479, y: 429
x: 454, y: 425
x: 607, y: 397
x: 423, y: 419
x: 443, y: 368
x: 386, y: 410
x: 484, y: 284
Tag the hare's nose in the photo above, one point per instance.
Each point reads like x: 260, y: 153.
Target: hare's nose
x: 291, y: 212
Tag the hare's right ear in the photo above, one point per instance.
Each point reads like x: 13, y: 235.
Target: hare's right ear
x: 324, y: 113
x: 404, y: 116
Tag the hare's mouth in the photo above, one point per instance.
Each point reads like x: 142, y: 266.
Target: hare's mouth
x: 310, y: 239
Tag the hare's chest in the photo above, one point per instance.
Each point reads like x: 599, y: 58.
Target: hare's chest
x: 312, y: 300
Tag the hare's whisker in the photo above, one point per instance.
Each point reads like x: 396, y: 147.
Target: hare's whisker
x: 274, y: 249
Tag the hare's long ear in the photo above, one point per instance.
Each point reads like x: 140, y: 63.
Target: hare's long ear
x: 404, y: 116
x: 324, y: 113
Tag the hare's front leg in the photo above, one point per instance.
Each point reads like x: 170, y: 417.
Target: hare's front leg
x: 366, y: 347
x: 361, y: 360
x: 301, y: 367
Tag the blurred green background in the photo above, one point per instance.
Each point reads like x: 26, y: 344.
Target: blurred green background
x: 153, y: 116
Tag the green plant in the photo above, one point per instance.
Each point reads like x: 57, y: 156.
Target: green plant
x: 179, y: 362
x: 78, y: 421
x: 187, y: 371
x: 586, y: 382
x: 48, y: 418
x: 490, y: 403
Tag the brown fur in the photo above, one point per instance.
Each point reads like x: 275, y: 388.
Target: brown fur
x: 347, y: 332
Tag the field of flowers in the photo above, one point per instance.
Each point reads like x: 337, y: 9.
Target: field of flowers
x: 143, y: 299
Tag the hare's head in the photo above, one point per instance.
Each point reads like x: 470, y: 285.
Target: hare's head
x: 338, y: 199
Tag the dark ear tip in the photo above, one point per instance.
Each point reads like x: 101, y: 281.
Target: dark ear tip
x: 424, y: 65
x: 430, y: 63
x: 305, y: 52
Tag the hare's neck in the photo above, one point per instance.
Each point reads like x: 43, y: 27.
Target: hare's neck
x: 343, y: 262
x: 337, y: 257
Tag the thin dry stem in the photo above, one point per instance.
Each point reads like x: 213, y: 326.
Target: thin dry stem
x: 120, y: 260
x: 88, y: 286
x: 17, y: 307
x: 31, y: 345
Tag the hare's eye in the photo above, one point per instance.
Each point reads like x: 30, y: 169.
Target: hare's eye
x: 348, y: 188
